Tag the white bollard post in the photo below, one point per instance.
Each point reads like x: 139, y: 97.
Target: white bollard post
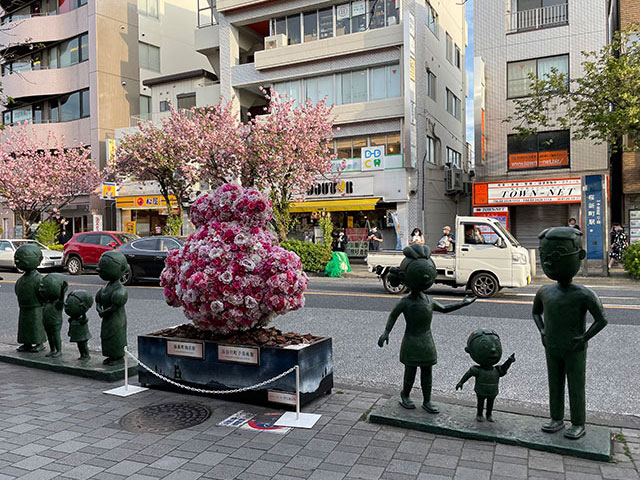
x: 125, y: 391
x: 299, y: 420
x: 126, y: 370
x: 297, y: 392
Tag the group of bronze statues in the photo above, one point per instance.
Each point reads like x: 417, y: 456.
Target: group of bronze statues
x: 559, y: 313
x: 42, y: 300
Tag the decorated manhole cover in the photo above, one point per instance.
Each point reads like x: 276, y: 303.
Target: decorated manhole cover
x: 165, y: 417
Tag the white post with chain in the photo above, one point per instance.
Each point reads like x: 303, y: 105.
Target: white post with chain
x: 126, y: 389
x: 298, y: 420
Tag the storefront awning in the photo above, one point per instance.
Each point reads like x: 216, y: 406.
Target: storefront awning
x: 342, y: 205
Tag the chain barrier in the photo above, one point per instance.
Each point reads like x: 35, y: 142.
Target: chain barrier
x: 214, y: 392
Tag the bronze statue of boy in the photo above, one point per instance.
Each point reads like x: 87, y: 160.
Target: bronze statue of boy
x: 52, y: 290
x: 31, y: 332
x: 559, y: 311
x: 418, y: 273
x: 76, y: 306
x: 486, y: 350
x: 110, y: 302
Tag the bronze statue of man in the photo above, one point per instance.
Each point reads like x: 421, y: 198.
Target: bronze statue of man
x: 560, y: 311
x: 31, y: 332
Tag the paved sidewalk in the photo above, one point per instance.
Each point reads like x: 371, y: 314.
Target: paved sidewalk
x: 57, y: 426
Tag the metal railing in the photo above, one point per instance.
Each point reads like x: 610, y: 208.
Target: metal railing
x: 537, y: 18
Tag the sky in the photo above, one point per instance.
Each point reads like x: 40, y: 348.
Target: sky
x: 469, y: 68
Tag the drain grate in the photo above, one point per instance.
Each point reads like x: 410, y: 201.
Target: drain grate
x: 165, y: 417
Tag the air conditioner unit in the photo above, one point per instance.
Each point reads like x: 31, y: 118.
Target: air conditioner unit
x: 453, y: 180
x: 275, y: 41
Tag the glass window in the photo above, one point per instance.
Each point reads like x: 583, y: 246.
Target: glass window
x: 36, y: 61
x: 377, y: 83
x: 93, y: 239
x: 149, y: 56
x: 280, y: 26
x: 146, y: 244
x: 458, y: 56
x: 393, y: 81
x: 344, y: 88
x: 453, y: 104
x: 23, y: 114
x: 311, y: 90
x: 22, y: 65
x: 431, y: 150
x: 53, y: 57
x: 378, y: 140
x: 358, y: 143
x: 164, y: 106
x: 85, y: 105
x: 168, y: 244
x: 453, y: 157
x: 392, y: 12
x: 186, y: 101
x: 148, y: 8
x: 393, y: 144
x: 344, y: 148
x: 358, y: 16
x: 205, y: 13
x: 6, y: 118
x: 37, y: 113
x: 145, y: 104
x: 84, y: 47
x: 449, y: 47
x: 70, y: 107
x: 106, y: 240
x: 310, y: 26
x: 53, y: 111
x: 325, y: 88
x: 69, y: 52
x: 559, y: 64
x: 359, y: 86
x: 325, y: 22
x: 293, y: 29
x: 518, y: 73
x: 431, y: 85
x: 432, y: 19
x: 376, y: 14
x: 343, y: 19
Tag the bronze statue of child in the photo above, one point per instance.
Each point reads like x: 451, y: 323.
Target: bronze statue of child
x: 52, y: 290
x: 76, y: 306
x: 31, y: 332
x: 110, y: 302
x: 560, y: 314
x: 486, y: 350
x: 417, y: 272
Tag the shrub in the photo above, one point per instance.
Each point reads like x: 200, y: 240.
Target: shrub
x: 631, y: 260
x: 314, y: 256
x: 55, y: 246
x: 48, y: 232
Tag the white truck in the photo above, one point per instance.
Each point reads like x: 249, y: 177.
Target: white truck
x: 483, y: 262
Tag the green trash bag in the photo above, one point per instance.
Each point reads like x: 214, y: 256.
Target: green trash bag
x: 338, y: 265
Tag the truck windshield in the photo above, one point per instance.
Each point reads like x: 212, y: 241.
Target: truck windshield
x: 507, y: 234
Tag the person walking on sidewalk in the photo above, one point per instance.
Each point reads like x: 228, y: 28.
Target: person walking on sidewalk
x: 375, y: 238
x: 619, y: 243
x: 416, y: 237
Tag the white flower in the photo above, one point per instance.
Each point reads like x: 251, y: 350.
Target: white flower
x: 248, y: 264
x: 226, y: 277
x: 250, y: 303
x: 241, y: 239
x: 216, y: 306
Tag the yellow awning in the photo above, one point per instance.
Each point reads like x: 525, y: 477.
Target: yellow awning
x: 342, y: 205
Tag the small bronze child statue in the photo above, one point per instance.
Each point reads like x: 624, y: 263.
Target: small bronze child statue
x: 486, y: 350
x: 418, y: 273
x: 52, y: 290
x: 31, y: 332
x: 110, y: 302
x: 560, y: 313
x: 76, y: 306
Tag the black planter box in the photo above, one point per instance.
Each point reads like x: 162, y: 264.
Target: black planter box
x: 218, y: 366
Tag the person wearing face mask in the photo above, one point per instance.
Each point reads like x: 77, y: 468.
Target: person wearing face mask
x: 447, y: 240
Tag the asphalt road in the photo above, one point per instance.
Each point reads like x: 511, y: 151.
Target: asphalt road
x: 354, y: 311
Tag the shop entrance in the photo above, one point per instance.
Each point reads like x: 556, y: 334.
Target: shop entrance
x: 527, y: 221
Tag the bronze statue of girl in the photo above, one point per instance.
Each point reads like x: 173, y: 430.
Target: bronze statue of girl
x: 418, y: 272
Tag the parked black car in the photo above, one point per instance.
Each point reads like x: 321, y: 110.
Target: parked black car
x: 146, y: 257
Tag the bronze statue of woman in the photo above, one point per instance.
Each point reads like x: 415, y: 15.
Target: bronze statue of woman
x: 110, y: 302
x: 417, y: 272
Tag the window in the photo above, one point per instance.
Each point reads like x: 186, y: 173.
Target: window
x: 85, y: 102
x: 449, y: 46
x: 541, y: 151
x: 310, y: 24
x: 149, y: 56
x: 145, y: 104
x: 453, y: 104
x: 325, y: 22
x: 343, y: 148
x: 148, y: 8
x: 205, y: 13
x: 72, y: 106
x: 454, y: 158
x: 358, y: 143
x: 164, y: 106
x: 186, y: 101
x: 146, y: 244
x: 393, y: 144
x: 518, y: 73
x: 293, y: 30
x: 376, y: 14
x: 458, y: 56
x: 431, y: 150
x: 431, y: 85
x: 318, y: 88
x: 105, y: 240
x: 351, y: 147
x: 392, y: 12
x: 69, y: 52
x: 343, y: 19
x: 359, y: 86
x: 432, y: 19
x: 84, y: 47
x: 358, y: 16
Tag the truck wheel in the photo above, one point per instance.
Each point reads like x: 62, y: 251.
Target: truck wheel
x: 484, y: 285
x: 390, y: 288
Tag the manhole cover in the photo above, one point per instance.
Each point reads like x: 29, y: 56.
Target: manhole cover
x: 165, y: 417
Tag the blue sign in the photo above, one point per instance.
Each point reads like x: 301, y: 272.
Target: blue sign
x: 594, y: 217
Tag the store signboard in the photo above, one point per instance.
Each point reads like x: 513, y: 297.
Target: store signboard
x: 634, y: 226
x: 343, y: 11
x: 499, y: 213
x: 356, y: 187
x: 108, y: 191
x: 372, y: 158
x: 97, y: 222
x: 522, y: 192
x: 594, y: 216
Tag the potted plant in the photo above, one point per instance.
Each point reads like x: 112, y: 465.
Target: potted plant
x: 231, y: 278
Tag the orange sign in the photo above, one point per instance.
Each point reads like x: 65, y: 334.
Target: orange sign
x: 557, y: 158
x: 480, y: 193
x: 519, y: 161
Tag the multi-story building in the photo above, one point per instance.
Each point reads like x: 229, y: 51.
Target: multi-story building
x: 77, y: 68
x: 393, y: 71
x: 545, y: 179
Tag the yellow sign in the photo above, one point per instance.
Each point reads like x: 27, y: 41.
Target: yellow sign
x: 108, y: 191
x: 349, y: 222
x: 144, y: 202
x: 111, y: 150
x: 130, y: 227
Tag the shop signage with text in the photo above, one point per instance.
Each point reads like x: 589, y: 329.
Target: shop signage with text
x: 556, y: 190
x: 360, y: 186
x: 372, y: 158
x: 551, y: 159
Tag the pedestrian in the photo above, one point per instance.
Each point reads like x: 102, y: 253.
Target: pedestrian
x: 573, y: 223
x: 416, y: 237
x: 375, y: 238
x: 447, y: 240
x: 619, y: 243
x: 340, y: 243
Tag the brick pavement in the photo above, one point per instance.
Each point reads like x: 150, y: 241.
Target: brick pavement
x: 57, y: 426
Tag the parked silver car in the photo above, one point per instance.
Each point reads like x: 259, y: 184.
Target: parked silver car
x: 8, y: 247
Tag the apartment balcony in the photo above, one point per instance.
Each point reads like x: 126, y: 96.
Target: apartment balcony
x: 536, y: 18
x: 207, y: 39
x: 225, y: 5
x: 153, y: 117
x: 330, y: 47
x: 56, y: 81
x: 74, y: 132
x: 369, y: 111
x: 48, y: 28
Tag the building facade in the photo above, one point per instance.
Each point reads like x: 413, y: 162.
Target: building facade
x: 77, y: 67
x: 394, y: 72
x: 543, y: 180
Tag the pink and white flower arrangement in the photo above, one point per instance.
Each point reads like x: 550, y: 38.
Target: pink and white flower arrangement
x: 231, y: 274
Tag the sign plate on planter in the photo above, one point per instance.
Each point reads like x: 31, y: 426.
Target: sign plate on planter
x: 185, y: 349
x: 233, y: 354
x: 278, y: 396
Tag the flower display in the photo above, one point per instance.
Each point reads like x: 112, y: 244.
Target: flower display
x: 231, y: 274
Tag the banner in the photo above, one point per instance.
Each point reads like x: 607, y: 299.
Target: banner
x: 396, y: 226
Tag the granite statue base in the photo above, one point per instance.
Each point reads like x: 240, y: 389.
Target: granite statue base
x: 508, y: 428
x: 67, y: 363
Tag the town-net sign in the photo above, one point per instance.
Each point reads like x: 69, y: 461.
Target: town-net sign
x: 557, y: 190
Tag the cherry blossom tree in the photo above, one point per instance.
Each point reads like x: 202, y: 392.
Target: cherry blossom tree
x: 36, y: 182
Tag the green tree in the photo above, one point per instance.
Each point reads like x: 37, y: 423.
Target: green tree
x: 602, y: 106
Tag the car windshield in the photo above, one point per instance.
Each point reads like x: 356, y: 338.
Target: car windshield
x: 19, y: 243
x: 507, y: 234
x: 126, y: 237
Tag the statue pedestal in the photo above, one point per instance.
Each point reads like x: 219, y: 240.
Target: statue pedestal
x: 67, y: 363
x: 508, y: 428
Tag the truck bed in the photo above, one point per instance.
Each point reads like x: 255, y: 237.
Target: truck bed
x: 445, y: 262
